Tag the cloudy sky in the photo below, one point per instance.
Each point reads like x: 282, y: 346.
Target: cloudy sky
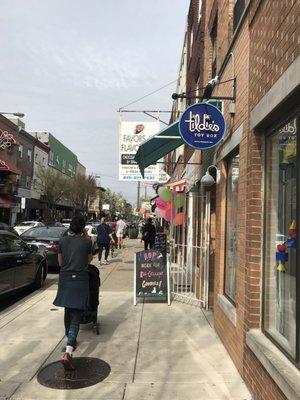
x: 69, y: 65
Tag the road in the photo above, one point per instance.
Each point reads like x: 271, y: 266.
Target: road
x: 155, y: 351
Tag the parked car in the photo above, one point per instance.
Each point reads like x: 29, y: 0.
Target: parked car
x: 66, y: 223
x: 92, y: 233
x: 21, y: 265
x: 24, y: 226
x: 47, y: 239
x: 5, y: 227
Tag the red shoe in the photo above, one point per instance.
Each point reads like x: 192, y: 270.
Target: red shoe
x: 67, y: 362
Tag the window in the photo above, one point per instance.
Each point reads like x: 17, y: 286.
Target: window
x: 51, y: 157
x: 27, y: 182
x: 20, y: 151
x: 199, y: 10
x: 239, y: 7
x: 231, y: 227
x: 191, y: 41
x: 280, y: 238
x: 29, y: 155
x: 71, y: 168
x: 3, y: 245
x: 213, y: 36
x: 15, y: 244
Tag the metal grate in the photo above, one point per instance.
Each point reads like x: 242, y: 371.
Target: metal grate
x: 88, y: 372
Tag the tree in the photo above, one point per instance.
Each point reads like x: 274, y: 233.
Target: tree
x: 52, y: 186
x: 82, y: 189
x: 118, y: 204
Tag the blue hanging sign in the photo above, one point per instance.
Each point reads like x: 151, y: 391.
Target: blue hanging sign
x: 202, y: 126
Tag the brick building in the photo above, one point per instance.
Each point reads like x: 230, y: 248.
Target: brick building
x: 25, y: 162
x: 9, y: 172
x: 253, y: 47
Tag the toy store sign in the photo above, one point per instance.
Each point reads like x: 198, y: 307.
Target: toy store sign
x: 202, y: 126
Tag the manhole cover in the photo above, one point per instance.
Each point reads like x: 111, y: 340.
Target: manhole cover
x: 88, y: 372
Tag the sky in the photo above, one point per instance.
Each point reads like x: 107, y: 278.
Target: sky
x: 69, y: 65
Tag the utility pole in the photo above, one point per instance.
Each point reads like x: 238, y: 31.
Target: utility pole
x: 138, y: 195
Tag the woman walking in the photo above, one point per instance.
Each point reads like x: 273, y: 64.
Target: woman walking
x: 149, y: 233
x: 74, y: 256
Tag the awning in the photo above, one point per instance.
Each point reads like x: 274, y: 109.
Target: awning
x: 178, y: 186
x: 5, y: 202
x: 158, y: 146
x: 6, y: 166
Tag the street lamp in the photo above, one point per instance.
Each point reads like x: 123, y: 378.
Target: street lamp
x: 207, y: 180
x: 16, y: 114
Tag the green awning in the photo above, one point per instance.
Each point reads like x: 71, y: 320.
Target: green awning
x: 158, y: 146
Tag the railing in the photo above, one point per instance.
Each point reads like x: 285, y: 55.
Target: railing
x: 188, y: 278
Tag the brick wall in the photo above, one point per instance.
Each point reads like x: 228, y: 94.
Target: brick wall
x: 274, y: 40
x: 263, y: 48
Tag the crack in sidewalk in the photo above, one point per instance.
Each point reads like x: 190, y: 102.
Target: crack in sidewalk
x: 138, y: 342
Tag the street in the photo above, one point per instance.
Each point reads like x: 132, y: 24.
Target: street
x: 154, y: 351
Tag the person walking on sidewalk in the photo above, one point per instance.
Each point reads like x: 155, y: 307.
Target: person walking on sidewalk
x: 74, y: 256
x: 149, y: 233
x: 120, y: 232
x: 104, y: 237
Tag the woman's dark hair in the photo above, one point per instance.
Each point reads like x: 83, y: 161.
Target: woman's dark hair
x: 149, y: 220
x: 77, y: 224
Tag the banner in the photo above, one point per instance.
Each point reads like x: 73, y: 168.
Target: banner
x: 132, y: 134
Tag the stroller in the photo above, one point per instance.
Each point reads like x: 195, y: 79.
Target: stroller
x: 91, y: 315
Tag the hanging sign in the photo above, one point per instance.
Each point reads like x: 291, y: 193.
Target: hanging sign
x: 202, y: 126
x: 151, y: 275
x: 132, y: 134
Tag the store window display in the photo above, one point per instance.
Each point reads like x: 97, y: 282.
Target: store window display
x: 281, y: 246
x: 231, y: 227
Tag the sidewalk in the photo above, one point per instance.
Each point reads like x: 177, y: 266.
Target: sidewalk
x: 154, y: 351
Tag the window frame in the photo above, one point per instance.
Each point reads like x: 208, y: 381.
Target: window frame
x: 214, y: 46
x: 230, y: 156
x: 20, y: 151
x: 268, y: 134
x: 29, y: 155
x: 237, y: 16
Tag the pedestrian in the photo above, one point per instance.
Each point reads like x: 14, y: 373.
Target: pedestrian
x: 114, y: 241
x: 149, y: 233
x: 120, y: 232
x: 74, y: 256
x: 104, y: 237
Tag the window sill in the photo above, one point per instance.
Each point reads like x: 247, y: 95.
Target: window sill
x: 228, y: 308
x: 282, y: 371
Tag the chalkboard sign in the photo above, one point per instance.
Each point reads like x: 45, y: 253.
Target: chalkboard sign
x: 161, y: 242
x: 151, y: 275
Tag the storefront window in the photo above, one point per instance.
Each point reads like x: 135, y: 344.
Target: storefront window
x: 280, y: 239
x: 231, y: 227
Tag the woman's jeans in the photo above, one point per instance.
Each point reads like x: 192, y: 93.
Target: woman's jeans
x: 72, y: 323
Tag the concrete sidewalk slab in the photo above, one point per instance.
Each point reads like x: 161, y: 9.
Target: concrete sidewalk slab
x: 7, y: 389
x: 155, y: 351
x: 185, y: 391
x: 19, y: 361
x: 101, y: 391
x: 118, y: 353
